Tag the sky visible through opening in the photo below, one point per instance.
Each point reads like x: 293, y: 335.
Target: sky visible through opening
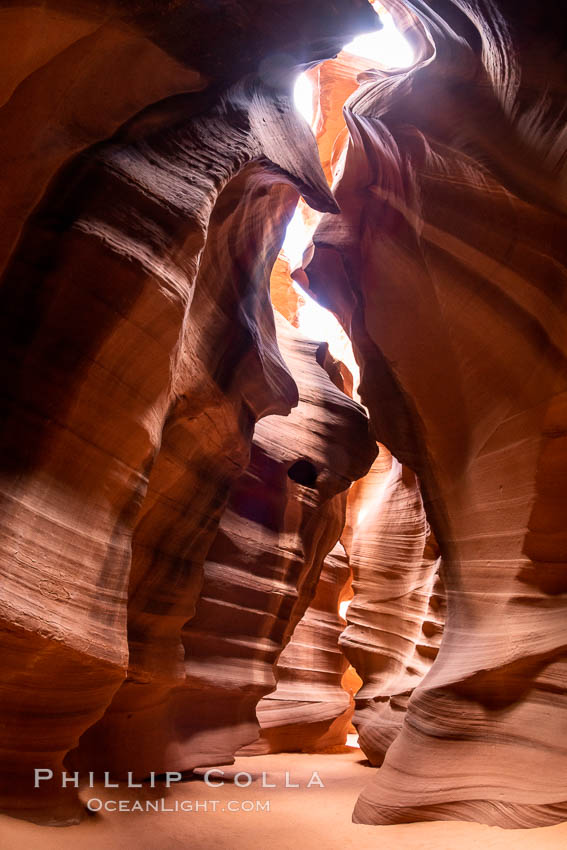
x: 386, y: 48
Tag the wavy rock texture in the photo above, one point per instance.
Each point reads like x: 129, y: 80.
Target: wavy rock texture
x: 71, y: 77
x: 138, y: 352
x: 153, y: 427
x: 284, y: 515
x: 333, y: 82
x: 310, y: 711
x: 151, y: 158
x: 448, y: 266
x: 395, y: 619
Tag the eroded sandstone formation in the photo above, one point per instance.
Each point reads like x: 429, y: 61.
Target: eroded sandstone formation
x: 139, y: 344
x: 448, y: 268
x: 72, y: 77
x: 284, y: 514
x: 158, y: 428
x: 151, y: 159
x: 395, y: 619
x: 310, y: 711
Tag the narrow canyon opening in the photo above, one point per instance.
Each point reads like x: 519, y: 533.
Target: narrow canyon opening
x: 284, y: 418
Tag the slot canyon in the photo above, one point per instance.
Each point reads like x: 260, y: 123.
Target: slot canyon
x: 283, y: 496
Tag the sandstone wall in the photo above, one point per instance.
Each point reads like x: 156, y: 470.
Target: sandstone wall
x: 310, y: 710
x: 395, y: 619
x: 139, y: 343
x: 448, y: 268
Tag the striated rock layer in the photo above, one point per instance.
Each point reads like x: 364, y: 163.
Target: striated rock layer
x: 139, y: 345
x: 155, y: 430
x: 395, y: 618
x: 72, y: 75
x: 448, y: 266
x: 283, y: 516
x: 310, y: 711
x: 151, y: 159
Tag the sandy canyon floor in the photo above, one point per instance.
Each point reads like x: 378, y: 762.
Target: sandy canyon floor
x: 303, y: 817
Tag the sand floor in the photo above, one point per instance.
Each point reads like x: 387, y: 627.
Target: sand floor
x: 298, y: 818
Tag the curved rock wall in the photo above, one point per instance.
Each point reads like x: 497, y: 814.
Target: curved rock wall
x: 395, y: 618
x: 138, y: 352
x: 146, y: 185
x: 72, y: 77
x: 106, y: 438
x: 448, y: 267
x: 310, y: 711
x: 284, y: 514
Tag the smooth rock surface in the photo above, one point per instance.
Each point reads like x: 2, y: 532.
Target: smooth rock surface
x: 395, y: 619
x: 448, y: 268
x: 310, y: 711
x: 283, y: 516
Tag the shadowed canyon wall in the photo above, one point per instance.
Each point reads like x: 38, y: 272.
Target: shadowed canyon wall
x: 175, y: 462
x: 140, y: 346
x: 283, y: 516
x: 310, y: 711
x: 395, y: 619
x: 447, y: 267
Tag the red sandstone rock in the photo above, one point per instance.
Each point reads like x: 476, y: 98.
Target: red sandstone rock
x: 283, y: 296
x: 284, y: 515
x: 139, y: 349
x: 310, y: 711
x: 162, y: 442
x: 72, y: 77
x: 448, y: 267
x: 333, y: 82
x: 393, y: 630
x: 137, y: 352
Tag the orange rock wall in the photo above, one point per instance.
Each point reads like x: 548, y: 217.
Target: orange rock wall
x: 151, y: 158
x: 139, y: 341
x: 261, y: 571
x: 395, y: 619
x: 310, y: 710
x: 448, y: 267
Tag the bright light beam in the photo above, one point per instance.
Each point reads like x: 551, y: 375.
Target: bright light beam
x: 315, y: 322
x: 386, y: 47
x: 303, y: 97
x: 297, y: 237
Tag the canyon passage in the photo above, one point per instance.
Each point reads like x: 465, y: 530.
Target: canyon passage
x: 283, y: 438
